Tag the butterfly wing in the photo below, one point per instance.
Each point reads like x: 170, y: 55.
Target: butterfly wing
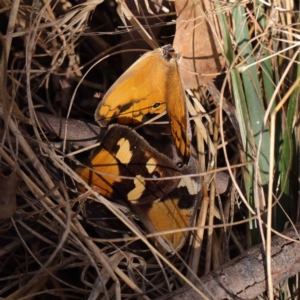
x: 125, y: 153
x: 177, y: 112
x: 174, y: 211
x: 138, y: 92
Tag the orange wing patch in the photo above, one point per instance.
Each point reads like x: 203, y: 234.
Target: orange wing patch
x: 104, y: 163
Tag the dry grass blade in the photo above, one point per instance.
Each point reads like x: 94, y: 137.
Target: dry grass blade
x: 123, y: 10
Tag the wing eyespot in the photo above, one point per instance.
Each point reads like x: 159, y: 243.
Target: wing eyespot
x: 156, y: 105
x: 155, y: 174
x: 179, y: 165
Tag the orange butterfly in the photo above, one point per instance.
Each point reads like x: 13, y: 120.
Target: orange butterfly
x: 150, y: 86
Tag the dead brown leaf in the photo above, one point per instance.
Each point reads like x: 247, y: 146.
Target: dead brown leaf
x: 196, y: 39
x: 80, y: 133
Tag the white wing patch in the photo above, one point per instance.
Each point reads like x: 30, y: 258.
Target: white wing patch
x: 192, y: 185
x: 137, y: 192
x: 124, y: 154
x: 151, y: 165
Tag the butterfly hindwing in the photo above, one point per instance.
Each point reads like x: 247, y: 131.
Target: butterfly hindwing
x: 174, y: 211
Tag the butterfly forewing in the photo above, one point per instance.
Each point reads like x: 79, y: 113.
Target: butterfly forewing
x: 124, y: 153
x: 177, y: 113
x: 136, y: 93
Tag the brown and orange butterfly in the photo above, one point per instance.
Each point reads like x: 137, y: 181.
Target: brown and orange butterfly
x: 150, y: 86
x: 160, y: 204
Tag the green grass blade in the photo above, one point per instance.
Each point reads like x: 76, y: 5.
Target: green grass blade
x: 253, y: 94
x: 240, y: 103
